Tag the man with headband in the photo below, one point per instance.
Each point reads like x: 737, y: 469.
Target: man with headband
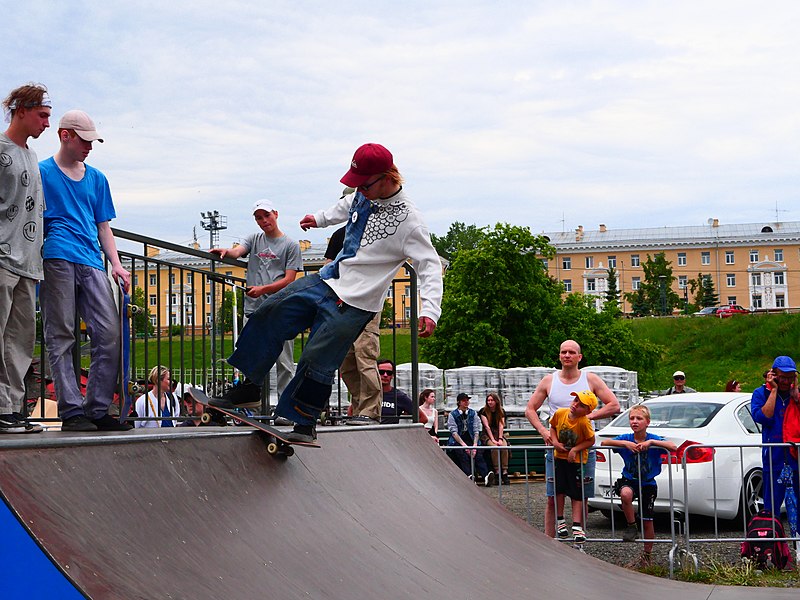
x: 27, y: 110
x: 384, y: 229
x: 79, y: 209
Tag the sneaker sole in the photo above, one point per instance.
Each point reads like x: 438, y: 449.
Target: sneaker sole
x: 13, y: 430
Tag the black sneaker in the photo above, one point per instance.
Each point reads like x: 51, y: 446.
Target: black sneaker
x: 244, y: 395
x: 29, y: 427
x: 109, y: 423
x: 505, y: 479
x: 78, y: 423
x: 10, y: 424
x: 361, y: 420
x: 490, y: 479
x: 303, y: 433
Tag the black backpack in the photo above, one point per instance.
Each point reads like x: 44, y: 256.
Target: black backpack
x: 762, y: 548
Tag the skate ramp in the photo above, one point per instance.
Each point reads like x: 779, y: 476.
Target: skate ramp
x: 377, y: 513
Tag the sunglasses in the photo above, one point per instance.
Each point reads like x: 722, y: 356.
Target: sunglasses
x: 385, y: 372
x: 679, y: 378
x: 366, y: 186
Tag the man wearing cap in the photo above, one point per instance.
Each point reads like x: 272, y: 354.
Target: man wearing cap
x: 768, y: 405
x: 273, y: 261
x: 79, y: 208
x: 680, y: 387
x: 465, y: 427
x: 384, y: 229
x: 557, y: 389
x: 27, y: 110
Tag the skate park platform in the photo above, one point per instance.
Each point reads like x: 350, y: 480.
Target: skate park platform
x: 206, y: 513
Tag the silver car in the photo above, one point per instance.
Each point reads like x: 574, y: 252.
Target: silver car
x: 702, y: 418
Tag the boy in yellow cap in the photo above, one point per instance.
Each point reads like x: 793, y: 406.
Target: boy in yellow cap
x: 572, y: 434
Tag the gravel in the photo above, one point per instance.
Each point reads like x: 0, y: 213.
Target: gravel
x: 515, y: 499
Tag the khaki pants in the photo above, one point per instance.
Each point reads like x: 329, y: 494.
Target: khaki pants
x: 359, y: 372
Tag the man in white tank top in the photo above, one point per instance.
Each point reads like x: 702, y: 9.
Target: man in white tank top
x: 556, y: 389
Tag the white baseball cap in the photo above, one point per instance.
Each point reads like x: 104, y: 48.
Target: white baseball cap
x: 678, y: 374
x: 79, y: 122
x: 263, y: 205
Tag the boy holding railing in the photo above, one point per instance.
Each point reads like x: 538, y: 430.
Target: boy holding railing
x: 642, y: 452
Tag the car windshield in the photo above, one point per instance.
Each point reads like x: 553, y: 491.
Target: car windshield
x: 681, y: 414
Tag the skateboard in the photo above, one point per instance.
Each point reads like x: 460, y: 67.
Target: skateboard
x: 127, y: 387
x: 277, y: 444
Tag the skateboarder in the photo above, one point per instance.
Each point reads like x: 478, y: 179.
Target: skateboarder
x: 384, y: 229
x: 79, y: 208
x: 274, y: 259
x: 27, y: 111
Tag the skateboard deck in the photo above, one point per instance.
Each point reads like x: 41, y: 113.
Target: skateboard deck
x: 126, y: 311
x: 276, y: 439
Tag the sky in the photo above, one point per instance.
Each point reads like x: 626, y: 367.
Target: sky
x: 548, y: 115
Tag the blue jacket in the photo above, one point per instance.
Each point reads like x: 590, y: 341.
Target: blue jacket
x: 771, y: 427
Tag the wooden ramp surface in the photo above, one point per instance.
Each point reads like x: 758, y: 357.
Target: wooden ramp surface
x: 377, y: 513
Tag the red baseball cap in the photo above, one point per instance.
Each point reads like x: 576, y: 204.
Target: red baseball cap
x: 368, y: 161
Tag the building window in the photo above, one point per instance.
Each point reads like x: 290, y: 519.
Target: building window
x: 208, y: 298
x: 135, y: 280
x: 778, y: 278
x: 590, y: 262
x: 731, y: 279
x: 755, y: 278
x: 612, y: 262
x: 173, y: 298
x: 153, y: 320
x: 391, y: 292
x: 779, y: 255
x: 566, y: 263
x: 757, y: 301
x: 634, y: 260
x: 753, y: 256
x: 153, y: 300
x: 188, y: 318
x: 682, y: 281
x: 635, y: 283
x: 731, y: 300
x: 591, y: 285
x: 545, y: 264
x: 229, y: 273
x: 780, y: 301
x: 172, y: 280
x: 189, y: 277
x: 729, y: 257
x: 567, y: 285
x: 152, y: 279
x: 705, y: 258
x: 681, y: 259
x: 173, y: 320
x: 188, y: 299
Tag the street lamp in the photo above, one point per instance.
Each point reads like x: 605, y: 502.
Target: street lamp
x: 662, y: 281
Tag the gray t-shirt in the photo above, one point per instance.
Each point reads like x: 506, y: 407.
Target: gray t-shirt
x: 268, y: 259
x: 21, y: 209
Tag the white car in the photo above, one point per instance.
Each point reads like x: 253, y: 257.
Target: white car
x: 686, y: 419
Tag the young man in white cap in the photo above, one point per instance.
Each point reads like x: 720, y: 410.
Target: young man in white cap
x: 27, y: 110
x: 274, y: 260
x: 79, y: 208
x: 384, y: 229
x: 680, y: 387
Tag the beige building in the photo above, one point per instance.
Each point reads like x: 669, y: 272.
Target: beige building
x: 755, y: 265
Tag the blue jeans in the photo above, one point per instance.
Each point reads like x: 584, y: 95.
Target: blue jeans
x: 773, y: 489
x: 305, y: 303
x: 588, y: 474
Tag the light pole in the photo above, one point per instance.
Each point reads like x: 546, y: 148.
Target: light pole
x: 213, y: 222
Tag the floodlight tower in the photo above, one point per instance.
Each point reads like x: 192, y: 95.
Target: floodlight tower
x: 213, y: 222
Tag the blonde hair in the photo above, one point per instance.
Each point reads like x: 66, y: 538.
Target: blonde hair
x: 642, y: 409
x: 157, y: 373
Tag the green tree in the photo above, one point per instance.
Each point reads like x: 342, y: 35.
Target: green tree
x: 710, y: 296
x: 458, y: 236
x: 141, y: 320
x: 386, y: 314
x: 639, y: 305
x: 225, y: 311
x: 611, y: 304
x: 657, y: 292
x: 497, y: 302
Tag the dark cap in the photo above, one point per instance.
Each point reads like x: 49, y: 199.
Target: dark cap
x: 462, y: 396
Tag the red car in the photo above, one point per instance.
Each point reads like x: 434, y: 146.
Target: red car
x: 730, y: 310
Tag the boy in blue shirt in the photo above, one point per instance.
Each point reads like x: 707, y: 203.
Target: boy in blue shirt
x: 641, y: 451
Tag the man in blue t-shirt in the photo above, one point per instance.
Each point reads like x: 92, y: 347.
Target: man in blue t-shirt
x: 79, y: 209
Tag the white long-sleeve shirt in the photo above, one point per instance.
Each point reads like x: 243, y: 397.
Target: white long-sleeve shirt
x: 394, y: 233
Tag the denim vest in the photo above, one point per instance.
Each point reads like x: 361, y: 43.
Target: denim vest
x: 360, y: 210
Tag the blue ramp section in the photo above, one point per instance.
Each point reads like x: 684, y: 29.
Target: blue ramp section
x: 30, y: 574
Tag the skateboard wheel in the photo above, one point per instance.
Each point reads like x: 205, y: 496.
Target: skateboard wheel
x: 272, y: 448
x: 288, y: 451
x: 205, y: 419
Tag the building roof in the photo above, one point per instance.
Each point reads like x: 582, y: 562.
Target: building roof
x: 744, y: 233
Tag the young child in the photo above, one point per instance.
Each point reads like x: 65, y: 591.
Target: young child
x: 571, y: 434
x: 642, y: 454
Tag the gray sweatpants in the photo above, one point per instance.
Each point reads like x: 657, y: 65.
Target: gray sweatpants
x: 17, y: 338
x: 66, y: 287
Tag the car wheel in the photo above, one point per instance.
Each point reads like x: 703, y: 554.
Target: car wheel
x: 751, y: 495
